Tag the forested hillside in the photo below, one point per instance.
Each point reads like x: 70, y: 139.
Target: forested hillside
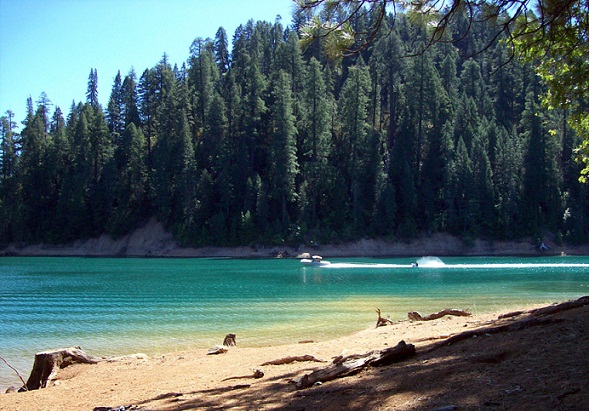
x: 264, y: 142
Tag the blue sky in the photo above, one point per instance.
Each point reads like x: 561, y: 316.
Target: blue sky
x: 51, y: 45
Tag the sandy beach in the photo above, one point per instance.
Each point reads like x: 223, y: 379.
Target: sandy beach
x: 542, y: 365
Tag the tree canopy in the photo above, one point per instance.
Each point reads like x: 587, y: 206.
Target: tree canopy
x: 274, y: 143
x: 554, y: 34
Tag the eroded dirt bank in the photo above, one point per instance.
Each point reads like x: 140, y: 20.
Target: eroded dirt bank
x: 153, y: 241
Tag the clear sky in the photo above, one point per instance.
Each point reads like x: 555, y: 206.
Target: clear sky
x: 51, y: 45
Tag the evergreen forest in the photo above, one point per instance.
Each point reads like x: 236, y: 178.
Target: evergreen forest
x: 254, y: 140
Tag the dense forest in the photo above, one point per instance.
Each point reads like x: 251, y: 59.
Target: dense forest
x: 263, y: 142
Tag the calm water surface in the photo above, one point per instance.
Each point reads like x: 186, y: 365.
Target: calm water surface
x: 122, y: 306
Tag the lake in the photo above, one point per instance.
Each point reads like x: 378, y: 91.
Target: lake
x: 117, y: 306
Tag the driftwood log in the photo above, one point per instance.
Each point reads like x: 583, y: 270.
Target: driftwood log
x: 217, y: 349
x: 47, y: 363
x: 381, y: 322
x: 344, y: 366
x: 415, y: 316
x: 228, y: 341
x: 289, y: 360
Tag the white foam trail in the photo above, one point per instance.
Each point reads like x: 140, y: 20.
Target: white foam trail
x: 363, y: 265
x: 516, y: 265
x: 442, y: 265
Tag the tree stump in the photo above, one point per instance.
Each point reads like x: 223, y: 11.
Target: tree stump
x: 229, y: 340
x: 381, y: 321
x: 47, y: 363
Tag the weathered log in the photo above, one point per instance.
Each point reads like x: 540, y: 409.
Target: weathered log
x: 229, y: 340
x: 256, y: 374
x: 47, y: 363
x: 217, y: 349
x: 349, y: 365
x: 511, y: 314
x: 381, y: 322
x: 289, y: 360
x: 119, y: 408
x: 415, y: 316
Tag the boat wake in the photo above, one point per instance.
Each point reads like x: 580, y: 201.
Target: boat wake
x: 430, y: 262
x: 367, y: 265
x: 435, y: 262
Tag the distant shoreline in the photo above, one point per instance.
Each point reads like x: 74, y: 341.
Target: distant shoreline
x: 152, y: 240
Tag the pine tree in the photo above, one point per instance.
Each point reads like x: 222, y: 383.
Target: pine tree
x: 174, y: 168
x: 129, y: 99
x: 461, y: 203
x: 507, y: 182
x: 254, y: 111
x: 283, y: 162
x: 32, y: 177
x: 92, y: 91
x: 8, y: 148
x: 148, y: 110
x: 354, y: 122
x: 541, y: 187
x: 316, y: 143
x: 203, y: 75
x: 221, y: 50
x: 131, y: 180
x: 9, y: 184
x: 115, y: 109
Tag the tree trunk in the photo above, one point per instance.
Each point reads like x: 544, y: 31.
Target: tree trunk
x: 229, y: 340
x: 47, y: 363
x: 343, y: 366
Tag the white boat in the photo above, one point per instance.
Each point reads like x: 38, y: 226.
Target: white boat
x: 315, y: 261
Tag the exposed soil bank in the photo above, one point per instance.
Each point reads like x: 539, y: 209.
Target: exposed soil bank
x: 153, y: 241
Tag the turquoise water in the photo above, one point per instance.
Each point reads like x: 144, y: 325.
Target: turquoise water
x: 122, y: 306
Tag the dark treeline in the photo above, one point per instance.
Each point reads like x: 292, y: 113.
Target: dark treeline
x: 272, y: 144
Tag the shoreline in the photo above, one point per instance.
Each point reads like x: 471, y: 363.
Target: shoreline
x: 152, y: 240
x: 193, y: 379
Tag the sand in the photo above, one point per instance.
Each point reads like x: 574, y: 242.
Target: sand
x: 540, y: 367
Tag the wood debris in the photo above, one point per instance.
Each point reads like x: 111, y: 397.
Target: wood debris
x: 344, y: 366
x: 415, y: 316
x: 289, y: 360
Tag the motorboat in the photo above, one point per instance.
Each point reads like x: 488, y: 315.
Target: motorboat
x: 315, y: 261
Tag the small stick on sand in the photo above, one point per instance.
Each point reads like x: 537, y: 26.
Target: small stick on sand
x: 256, y: 374
x: 17, y: 373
